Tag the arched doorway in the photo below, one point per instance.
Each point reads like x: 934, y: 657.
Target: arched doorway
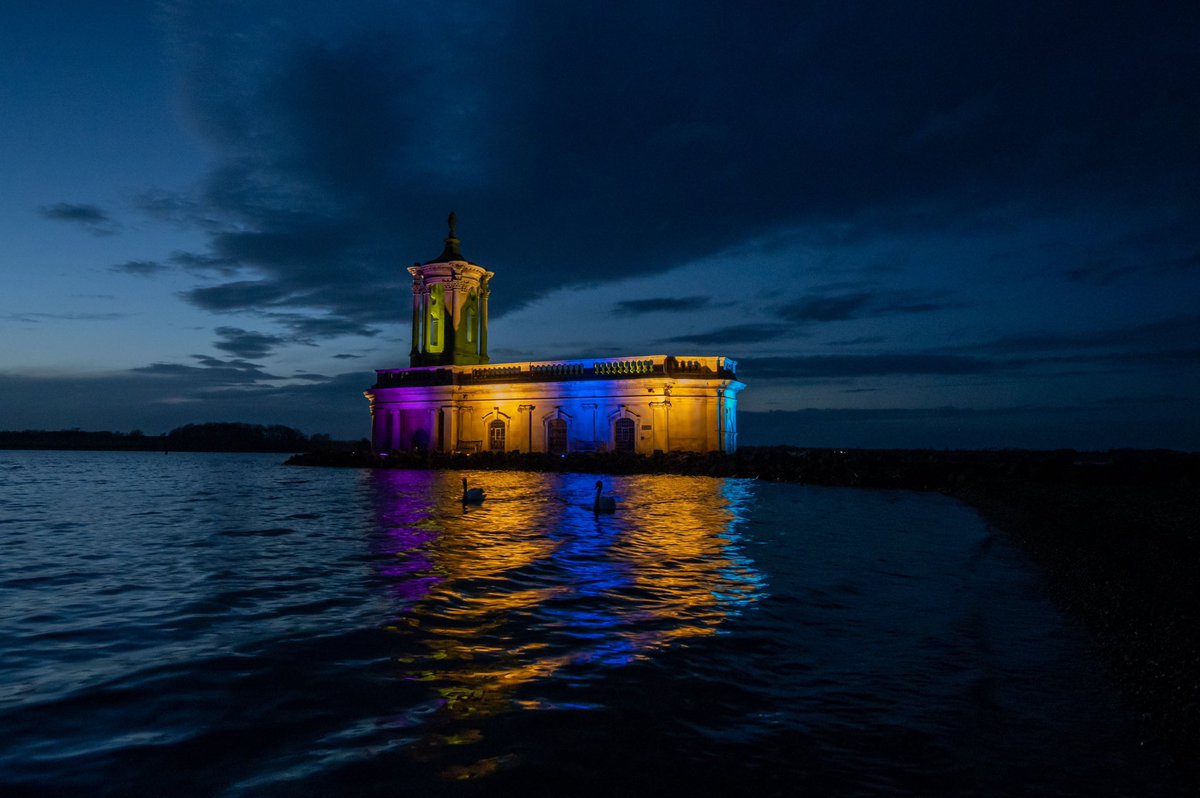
x: 556, y: 432
x: 497, y: 436
x: 625, y: 435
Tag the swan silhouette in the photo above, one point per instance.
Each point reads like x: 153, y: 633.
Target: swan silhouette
x: 472, y: 496
x: 603, y: 504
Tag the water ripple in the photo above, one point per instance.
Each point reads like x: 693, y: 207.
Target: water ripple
x: 222, y: 625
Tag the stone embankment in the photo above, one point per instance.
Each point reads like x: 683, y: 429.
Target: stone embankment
x: 1117, y: 534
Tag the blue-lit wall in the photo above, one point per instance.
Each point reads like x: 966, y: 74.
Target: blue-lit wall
x: 641, y: 412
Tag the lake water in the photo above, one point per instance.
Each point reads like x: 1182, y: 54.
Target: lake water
x: 212, y: 624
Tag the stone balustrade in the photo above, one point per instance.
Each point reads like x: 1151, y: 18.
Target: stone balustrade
x: 554, y: 370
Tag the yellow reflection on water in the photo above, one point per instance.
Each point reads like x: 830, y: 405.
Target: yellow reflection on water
x: 532, y: 586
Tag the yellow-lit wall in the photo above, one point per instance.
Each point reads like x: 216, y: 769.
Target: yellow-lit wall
x: 670, y: 413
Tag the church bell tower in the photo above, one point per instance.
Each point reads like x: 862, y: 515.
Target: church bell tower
x: 449, y: 312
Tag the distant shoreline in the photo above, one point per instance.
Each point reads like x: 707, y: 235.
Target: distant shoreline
x: 1117, y: 534
x: 159, y: 448
x: 217, y: 436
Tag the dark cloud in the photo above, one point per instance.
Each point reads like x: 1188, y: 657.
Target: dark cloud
x: 241, y: 295
x: 901, y: 306
x: 736, y: 334
x: 638, y: 307
x: 141, y: 268
x: 252, y: 345
x: 826, y: 308
x: 1159, y: 345
x: 1127, y: 360
x: 1103, y: 271
x: 308, y: 328
x: 817, y: 308
x: 211, y: 372
x: 1100, y: 271
x: 801, y: 367
x: 1163, y: 249
x: 345, y: 356
x: 597, y: 138
x: 245, y: 344
x: 1185, y: 263
x: 69, y: 212
x: 860, y: 341
x: 90, y: 217
x: 860, y: 304
x: 1164, y: 335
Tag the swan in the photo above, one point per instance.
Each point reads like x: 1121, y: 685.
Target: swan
x: 603, y: 504
x: 472, y: 496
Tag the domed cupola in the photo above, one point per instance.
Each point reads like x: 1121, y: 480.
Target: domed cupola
x: 449, y: 322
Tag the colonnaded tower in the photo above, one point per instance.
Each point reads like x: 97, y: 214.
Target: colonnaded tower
x: 450, y: 301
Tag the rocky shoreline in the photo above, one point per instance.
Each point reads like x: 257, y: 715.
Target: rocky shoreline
x: 1117, y: 534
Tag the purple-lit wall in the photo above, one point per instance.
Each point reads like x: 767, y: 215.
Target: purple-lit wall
x: 643, y: 407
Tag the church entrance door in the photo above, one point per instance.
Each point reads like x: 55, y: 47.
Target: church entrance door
x: 496, y: 436
x: 624, y: 435
x: 557, y: 433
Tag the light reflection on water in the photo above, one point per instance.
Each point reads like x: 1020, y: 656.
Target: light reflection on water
x: 532, y: 583
x: 221, y: 625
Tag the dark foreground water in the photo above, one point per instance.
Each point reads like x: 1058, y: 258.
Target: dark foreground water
x: 207, y: 624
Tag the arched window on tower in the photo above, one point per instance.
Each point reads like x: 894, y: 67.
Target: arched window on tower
x: 436, y: 317
x: 472, y: 317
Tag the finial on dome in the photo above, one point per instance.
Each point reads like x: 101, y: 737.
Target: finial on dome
x: 451, y: 249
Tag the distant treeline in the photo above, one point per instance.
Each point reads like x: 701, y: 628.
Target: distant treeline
x: 211, y: 437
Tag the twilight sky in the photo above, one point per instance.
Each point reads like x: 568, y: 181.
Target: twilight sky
x: 913, y: 224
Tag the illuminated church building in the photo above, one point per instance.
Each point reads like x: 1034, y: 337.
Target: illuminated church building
x: 452, y: 398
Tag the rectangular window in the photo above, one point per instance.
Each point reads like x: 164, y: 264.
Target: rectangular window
x: 496, y: 435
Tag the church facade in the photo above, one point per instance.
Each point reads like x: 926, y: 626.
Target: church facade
x: 452, y: 398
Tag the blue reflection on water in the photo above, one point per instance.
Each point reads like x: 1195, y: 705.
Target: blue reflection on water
x: 221, y: 625
x: 583, y: 589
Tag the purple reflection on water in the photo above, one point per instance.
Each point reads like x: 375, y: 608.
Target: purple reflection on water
x: 405, y: 509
